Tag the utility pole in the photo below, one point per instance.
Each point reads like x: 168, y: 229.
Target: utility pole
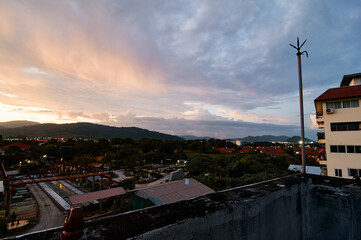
x: 299, y: 53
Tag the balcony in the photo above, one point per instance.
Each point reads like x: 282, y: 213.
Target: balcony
x: 320, y: 121
x: 322, y: 160
x: 321, y: 137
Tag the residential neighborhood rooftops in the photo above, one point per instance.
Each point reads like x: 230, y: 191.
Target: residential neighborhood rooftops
x: 18, y: 144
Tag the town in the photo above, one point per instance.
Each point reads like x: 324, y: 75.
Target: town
x: 180, y: 120
x: 212, y: 165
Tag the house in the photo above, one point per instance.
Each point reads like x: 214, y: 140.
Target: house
x: 338, y: 115
x: 168, y: 193
x: 20, y: 145
x: 274, y: 151
x: 246, y: 150
x: 226, y: 150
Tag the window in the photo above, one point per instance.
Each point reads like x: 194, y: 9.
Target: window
x: 350, y: 104
x: 348, y: 126
x: 346, y: 104
x: 354, y: 172
x: 355, y: 103
x: 358, y: 149
x: 333, y: 148
x: 338, y: 172
x: 353, y: 126
x: 329, y: 105
x: 350, y: 149
x: 343, y: 148
x: 342, y: 127
x: 337, y: 105
x: 343, y: 104
x: 333, y: 105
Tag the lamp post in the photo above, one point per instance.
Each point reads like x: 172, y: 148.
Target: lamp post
x: 299, y: 53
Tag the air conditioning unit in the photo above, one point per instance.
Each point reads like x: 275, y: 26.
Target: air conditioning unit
x: 329, y: 110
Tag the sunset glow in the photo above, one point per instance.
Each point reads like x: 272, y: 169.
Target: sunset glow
x: 220, y: 69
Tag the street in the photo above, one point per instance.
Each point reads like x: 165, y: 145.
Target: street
x: 49, y: 214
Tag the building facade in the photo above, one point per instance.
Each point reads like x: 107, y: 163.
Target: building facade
x: 338, y: 115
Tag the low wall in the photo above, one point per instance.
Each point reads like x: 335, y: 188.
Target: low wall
x: 294, y: 207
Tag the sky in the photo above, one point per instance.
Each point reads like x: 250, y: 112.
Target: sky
x: 221, y: 69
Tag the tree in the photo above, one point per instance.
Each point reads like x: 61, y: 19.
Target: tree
x: 200, y: 164
x: 127, y: 184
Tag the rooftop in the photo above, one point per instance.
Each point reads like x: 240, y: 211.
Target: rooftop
x: 348, y: 78
x: 88, y: 197
x: 176, y: 191
x: 340, y: 93
x: 293, y: 207
x: 18, y: 144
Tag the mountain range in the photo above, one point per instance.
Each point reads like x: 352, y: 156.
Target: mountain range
x: 263, y: 138
x: 82, y: 130
x: 91, y: 130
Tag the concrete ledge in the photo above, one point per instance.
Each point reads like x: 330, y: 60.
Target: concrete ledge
x: 293, y: 207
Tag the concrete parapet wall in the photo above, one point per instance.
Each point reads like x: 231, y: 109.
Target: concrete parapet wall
x: 294, y: 207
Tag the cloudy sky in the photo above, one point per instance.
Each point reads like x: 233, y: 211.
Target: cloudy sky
x: 205, y: 68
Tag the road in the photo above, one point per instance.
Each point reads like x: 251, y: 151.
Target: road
x: 49, y: 214
x: 155, y: 183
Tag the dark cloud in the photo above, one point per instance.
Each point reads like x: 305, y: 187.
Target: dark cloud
x: 215, y: 63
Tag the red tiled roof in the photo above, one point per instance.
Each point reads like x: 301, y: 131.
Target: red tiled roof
x: 275, y: 151
x: 225, y: 149
x: 19, y: 144
x: 338, y: 93
x: 88, y: 197
x: 315, y: 155
x: 246, y: 150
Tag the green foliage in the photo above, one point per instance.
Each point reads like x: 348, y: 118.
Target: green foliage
x: 3, y: 227
x: 120, y: 207
x: 200, y: 164
x: 167, y: 148
x: 127, y: 184
x: 84, y: 159
x: 228, y: 172
x: 29, y: 167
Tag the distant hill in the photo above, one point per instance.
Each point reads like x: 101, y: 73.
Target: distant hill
x: 15, y: 124
x: 84, y: 130
x: 297, y: 139
x: 191, y: 137
x: 263, y: 138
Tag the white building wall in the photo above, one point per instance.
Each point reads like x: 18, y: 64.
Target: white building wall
x: 342, y: 161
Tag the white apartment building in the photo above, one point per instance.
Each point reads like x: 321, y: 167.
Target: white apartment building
x: 338, y: 113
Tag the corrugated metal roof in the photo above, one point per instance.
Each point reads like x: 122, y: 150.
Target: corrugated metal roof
x: 338, y: 93
x: 88, y: 197
x: 175, y: 191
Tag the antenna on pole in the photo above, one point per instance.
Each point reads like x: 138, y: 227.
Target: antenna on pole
x: 299, y: 53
